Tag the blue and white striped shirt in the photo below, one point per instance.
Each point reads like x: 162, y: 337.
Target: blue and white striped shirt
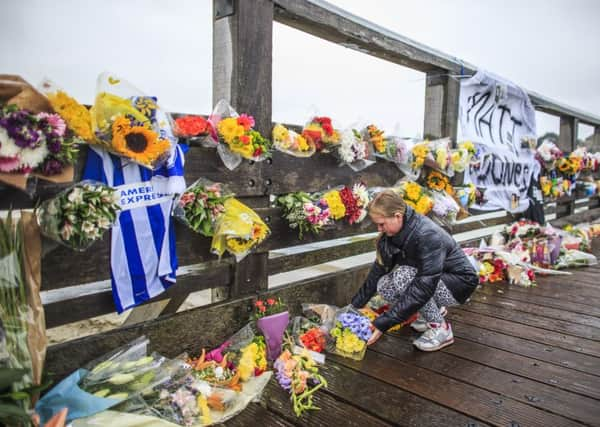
x: 143, y: 260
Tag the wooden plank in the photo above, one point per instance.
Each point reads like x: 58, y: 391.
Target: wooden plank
x: 538, y: 395
x: 97, y: 304
x: 172, y: 334
x: 567, y: 137
x: 547, y: 290
x: 587, y: 333
x: 524, y: 346
x: 489, y: 407
x: 517, y: 293
x: 285, y: 174
x: 441, y: 106
x: 332, y: 411
x: 556, y: 339
x: 523, y: 306
x: 399, y: 407
x: 253, y: 413
x: 250, y: 275
x: 285, y: 263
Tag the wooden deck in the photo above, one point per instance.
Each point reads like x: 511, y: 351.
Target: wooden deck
x: 521, y: 357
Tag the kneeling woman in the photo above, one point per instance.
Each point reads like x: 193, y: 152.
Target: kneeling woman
x: 419, y: 268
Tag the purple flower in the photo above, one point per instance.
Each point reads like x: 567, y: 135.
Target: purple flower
x: 52, y: 167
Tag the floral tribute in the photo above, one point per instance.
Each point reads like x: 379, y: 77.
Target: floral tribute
x: 549, y: 153
x: 35, y: 142
x: 321, y: 133
x: 242, y: 139
x: 353, y: 150
x: 309, y: 334
x: 190, y: 126
x: 80, y: 215
x: 267, y: 307
x: 299, y: 375
x: 570, y: 165
x: 437, y: 181
x: 375, y: 136
x: 201, y: 205
x: 289, y: 142
x: 238, y: 230
x: 130, y: 124
x: 418, y: 154
x: 76, y: 116
x: 351, y: 332
x: 305, y: 213
x: 415, y: 197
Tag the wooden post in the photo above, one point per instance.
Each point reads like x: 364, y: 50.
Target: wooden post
x: 441, y: 106
x: 242, y: 74
x: 567, y: 141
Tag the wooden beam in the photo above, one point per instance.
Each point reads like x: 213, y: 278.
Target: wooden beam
x: 567, y: 137
x: 441, y: 107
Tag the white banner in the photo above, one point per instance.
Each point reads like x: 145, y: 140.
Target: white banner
x: 498, y: 117
x: 145, y: 193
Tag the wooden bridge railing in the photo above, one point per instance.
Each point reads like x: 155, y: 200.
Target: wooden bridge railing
x: 76, y: 286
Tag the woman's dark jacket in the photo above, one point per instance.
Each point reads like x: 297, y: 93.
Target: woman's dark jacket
x: 433, y: 252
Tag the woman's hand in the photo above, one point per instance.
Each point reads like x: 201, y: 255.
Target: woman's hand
x: 376, y: 335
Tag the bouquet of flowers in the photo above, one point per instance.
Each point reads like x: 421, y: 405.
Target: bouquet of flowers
x: 470, y: 148
x: 588, y: 161
x: 76, y: 115
x: 201, y: 205
x: 309, y: 334
x: 289, y: 142
x: 466, y: 195
x: 238, y: 230
x: 130, y: 124
x: 354, y: 151
x: 397, y: 150
x: 239, y: 138
x: 549, y: 153
x: 375, y: 136
x: 304, y: 213
x: 415, y: 197
x: 267, y: 307
x: 439, y: 182
x: 299, y: 374
x: 491, y: 269
x: 321, y: 133
x: 192, y: 127
x: 439, y: 156
x: 351, y: 332
x: 78, y: 216
x: 349, y: 203
x: 418, y: 154
x: 523, y: 228
x: 571, y: 165
x: 445, y: 207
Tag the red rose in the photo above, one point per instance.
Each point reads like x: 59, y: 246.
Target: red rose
x: 259, y: 303
x: 270, y: 301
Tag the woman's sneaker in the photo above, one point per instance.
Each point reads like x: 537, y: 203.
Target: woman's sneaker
x: 421, y: 325
x: 435, y: 338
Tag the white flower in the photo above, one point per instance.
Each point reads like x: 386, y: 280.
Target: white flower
x: 34, y: 157
x: 362, y: 195
x: 88, y: 228
x: 8, y: 148
x: 103, y: 222
x: 345, y: 151
x: 76, y: 195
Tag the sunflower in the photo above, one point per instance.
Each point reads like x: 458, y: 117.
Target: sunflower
x: 138, y: 143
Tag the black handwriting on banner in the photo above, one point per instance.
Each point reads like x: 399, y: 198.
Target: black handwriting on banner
x: 501, y: 171
x: 495, y: 120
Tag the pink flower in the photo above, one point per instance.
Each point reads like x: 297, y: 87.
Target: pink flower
x: 186, y: 199
x: 57, y: 123
x: 9, y: 164
x: 246, y: 121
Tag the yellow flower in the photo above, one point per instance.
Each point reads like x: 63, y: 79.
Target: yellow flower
x: 229, y: 129
x: 302, y: 143
x: 145, y: 105
x: 337, y: 210
x: 424, y: 205
x: 138, y: 143
x: 469, y: 146
x: 441, y: 158
x: 411, y: 204
x: 412, y: 191
x: 75, y: 115
x: 246, y: 151
x: 280, y: 133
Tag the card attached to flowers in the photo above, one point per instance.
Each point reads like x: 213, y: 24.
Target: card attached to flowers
x: 79, y: 215
x: 33, y: 142
x: 235, y: 137
x: 201, y: 205
x: 130, y: 124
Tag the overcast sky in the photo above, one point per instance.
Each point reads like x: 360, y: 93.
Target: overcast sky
x: 164, y: 48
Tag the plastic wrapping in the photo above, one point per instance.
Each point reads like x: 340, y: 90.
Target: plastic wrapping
x: 194, y: 129
x: 235, y: 137
x: 201, y: 205
x: 549, y: 152
x: 305, y: 212
x: 350, y: 333
x: 309, y: 334
x: 439, y: 156
x: 238, y: 230
x: 323, y: 312
x: 130, y: 124
x: 445, y: 208
x: 400, y: 152
x: 79, y: 215
x: 289, y: 142
x: 574, y: 258
x: 355, y: 151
